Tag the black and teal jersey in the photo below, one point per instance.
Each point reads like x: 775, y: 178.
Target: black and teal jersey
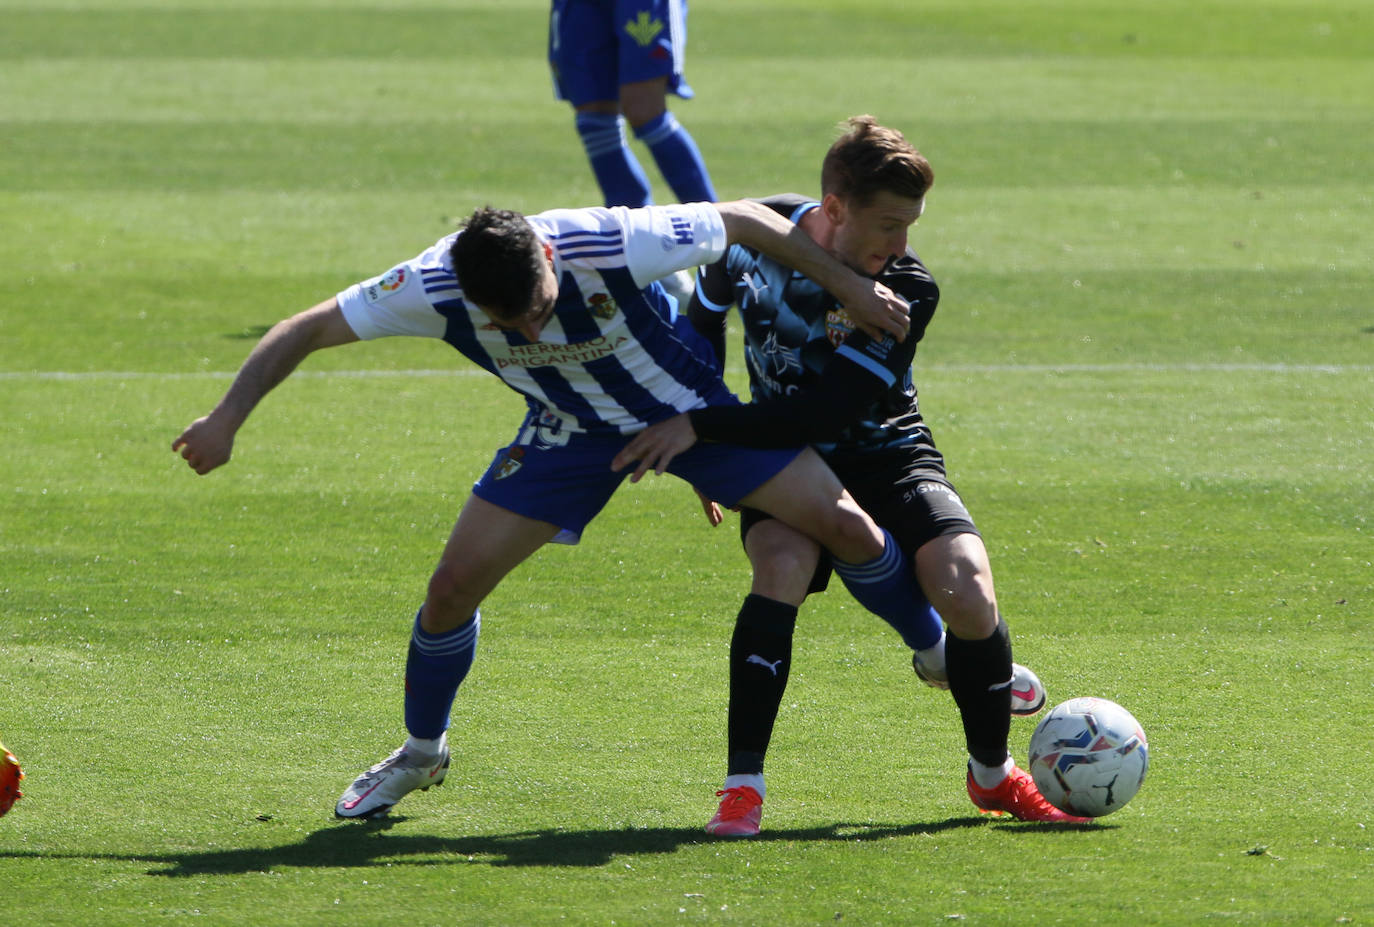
x: 813, y: 375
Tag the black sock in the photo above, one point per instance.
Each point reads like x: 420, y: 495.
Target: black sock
x: 760, y: 656
x: 980, y: 681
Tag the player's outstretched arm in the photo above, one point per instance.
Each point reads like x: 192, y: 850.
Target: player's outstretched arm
x: 208, y: 441
x: 871, y: 305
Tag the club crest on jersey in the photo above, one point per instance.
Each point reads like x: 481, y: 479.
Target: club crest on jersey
x: 510, y: 462
x: 388, y: 283
x: 838, y: 326
x: 602, y: 306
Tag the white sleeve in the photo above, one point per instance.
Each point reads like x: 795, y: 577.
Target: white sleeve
x: 662, y: 239
x: 391, y: 304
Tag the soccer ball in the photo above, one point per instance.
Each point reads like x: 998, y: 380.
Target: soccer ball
x: 1088, y: 756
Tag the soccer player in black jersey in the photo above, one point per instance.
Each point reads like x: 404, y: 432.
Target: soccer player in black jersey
x: 816, y: 377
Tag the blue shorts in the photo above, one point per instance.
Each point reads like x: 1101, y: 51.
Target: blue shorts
x: 566, y: 479
x: 597, y: 45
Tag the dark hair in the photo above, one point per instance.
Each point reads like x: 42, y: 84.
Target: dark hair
x: 497, y: 259
x: 869, y: 158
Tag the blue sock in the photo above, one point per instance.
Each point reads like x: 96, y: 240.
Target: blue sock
x: 678, y: 159
x: 617, y: 171
x: 887, y: 587
x: 435, y: 665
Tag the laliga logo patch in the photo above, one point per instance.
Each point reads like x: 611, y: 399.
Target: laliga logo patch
x: 838, y: 326
x: 513, y: 461
x: 383, y: 286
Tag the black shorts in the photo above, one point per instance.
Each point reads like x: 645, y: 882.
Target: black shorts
x: 914, y: 500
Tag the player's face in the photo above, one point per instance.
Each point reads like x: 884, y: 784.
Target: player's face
x: 532, y: 322
x: 866, y: 236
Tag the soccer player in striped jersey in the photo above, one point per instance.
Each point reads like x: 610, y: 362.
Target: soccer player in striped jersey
x: 816, y: 378
x: 562, y: 306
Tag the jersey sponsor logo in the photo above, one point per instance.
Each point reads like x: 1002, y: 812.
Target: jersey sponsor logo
x: 771, y: 386
x: 602, y: 306
x: 879, y: 350
x: 682, y: 231
x: 930, y: 487
x: 838, y: 327
x: 644, y: 29
x: 388, y: 283
x: 678, y: 232
x: 543, y: 354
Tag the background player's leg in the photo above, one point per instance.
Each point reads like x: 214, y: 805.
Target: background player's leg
x: 674, y: 150
x: 617, y: 170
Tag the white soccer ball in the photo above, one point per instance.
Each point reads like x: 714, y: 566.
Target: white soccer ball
x: 1088, y: 756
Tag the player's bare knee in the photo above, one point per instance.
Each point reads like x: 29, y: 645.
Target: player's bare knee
x: 449, y: 601
x: 644, y: 101
x: 784, y: 575
x: 854, y: 537
x: 968, y: 606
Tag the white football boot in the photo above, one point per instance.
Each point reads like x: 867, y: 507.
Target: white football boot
x: 1027, y: 691
x: 374, y: 792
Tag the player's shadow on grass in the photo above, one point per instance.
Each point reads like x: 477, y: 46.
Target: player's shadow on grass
x: 368, y: 843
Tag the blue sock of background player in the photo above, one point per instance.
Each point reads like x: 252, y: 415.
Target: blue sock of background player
x: 617, y: 171
x: 678, y: 158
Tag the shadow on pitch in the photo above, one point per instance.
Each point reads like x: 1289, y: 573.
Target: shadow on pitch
x: 369, y: 843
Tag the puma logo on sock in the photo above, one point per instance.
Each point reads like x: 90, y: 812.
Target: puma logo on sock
x: 772, y: 667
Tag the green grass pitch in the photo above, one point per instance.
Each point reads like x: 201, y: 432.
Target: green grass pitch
x: 1151, y: 373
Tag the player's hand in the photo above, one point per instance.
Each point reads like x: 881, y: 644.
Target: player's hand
x: 205, y: 444
x: 712, y: 509
x: 10, y: 774
x: 878, y: 311
x: 656, y: 446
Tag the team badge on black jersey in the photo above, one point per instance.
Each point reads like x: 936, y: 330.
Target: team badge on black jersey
x: 838, y: 326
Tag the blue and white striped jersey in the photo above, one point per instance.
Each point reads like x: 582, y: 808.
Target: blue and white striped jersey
x: 613, y: 357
